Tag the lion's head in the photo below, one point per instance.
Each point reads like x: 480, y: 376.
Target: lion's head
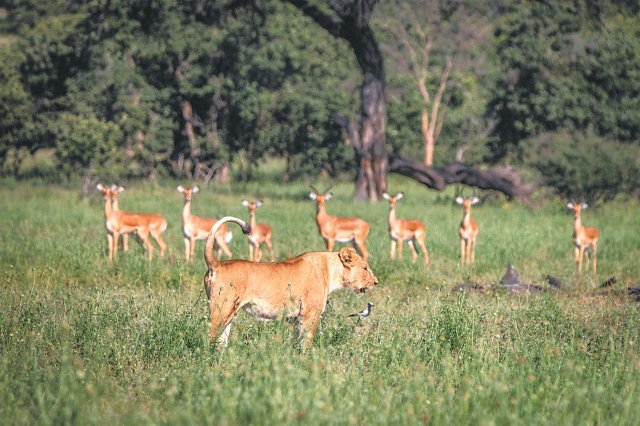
x: 357, y: 274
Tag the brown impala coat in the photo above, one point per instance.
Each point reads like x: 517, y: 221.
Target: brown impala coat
x: 340, y: 229
x: 583, y: 237
x: 143, y: 224
x: 197, y: 228
x: 405, y: 230
x: 468, y: 231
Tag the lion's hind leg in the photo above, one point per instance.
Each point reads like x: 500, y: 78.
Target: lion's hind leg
x: 222, y: 310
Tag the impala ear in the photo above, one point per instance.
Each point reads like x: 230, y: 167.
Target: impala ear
x: 180, y: 188
x: 348, y: 256
x: 258, y: 203
x: 100, y: 187
x: 328, y: 196
x: 245, y: 203
x: 459, y: 200
x: 585, y: 205
x: 195, y: 189
x: 570, y: 205
x: 313, y: 195
x: 399, y: 195
x: 120, y: 189
x: 385, y: 196
x: 475, y: 200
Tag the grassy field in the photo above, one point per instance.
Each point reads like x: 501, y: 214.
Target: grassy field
x: 83, y: 341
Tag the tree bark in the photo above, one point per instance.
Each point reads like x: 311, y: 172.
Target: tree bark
x: 368, y: 140
x: 502, y: 179
x: 352, y: 25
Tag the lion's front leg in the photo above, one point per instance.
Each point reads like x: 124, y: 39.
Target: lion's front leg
x: 309, y: 320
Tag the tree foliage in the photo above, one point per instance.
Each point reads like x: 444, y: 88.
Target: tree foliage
x: 585, y: 167
x: 187, y: 88
x: 564, y: 70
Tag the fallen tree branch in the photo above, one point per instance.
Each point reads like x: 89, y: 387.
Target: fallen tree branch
x: 504, y: 179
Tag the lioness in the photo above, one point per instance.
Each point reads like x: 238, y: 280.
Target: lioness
x: 297, y: 287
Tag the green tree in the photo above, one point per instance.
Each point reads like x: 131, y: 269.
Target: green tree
x: 563, y: 69
x: 85, y: 146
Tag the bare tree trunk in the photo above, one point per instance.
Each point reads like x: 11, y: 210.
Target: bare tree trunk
x: 194, y: 149
x: 369, y: 143
x: 369, y: 140
x: 429, y: 142
x: 224, y: 173
x: 86, y: 181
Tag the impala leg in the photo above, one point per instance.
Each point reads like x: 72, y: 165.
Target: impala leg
x: 362, y: 246
x: 330, y: 243
x: 222, y: 244
x: 462, y: 250
x: 157, y: 235
x: 587, y: 256
x: 423, y: 247
x: 187, y: 249
x: 192, y: 247
x: 400, y: 246
x: 251, y: 251
x: 110, y: 246
x: 258, y: 252
x: 392, y: 254
x: 578, y: 258
x: 125, y: 243
x: 270, y: 247
x: 144, y: 236
x: 114, y: 244
x: 595, y: 255
x: 473, y: 250
x: 414, y: 253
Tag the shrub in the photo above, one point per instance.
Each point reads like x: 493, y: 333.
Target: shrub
x: 584, y: 166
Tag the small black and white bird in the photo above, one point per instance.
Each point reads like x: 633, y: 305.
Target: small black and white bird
x: 365, y: 312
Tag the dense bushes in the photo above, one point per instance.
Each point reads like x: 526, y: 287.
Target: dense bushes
x: 585, y: 167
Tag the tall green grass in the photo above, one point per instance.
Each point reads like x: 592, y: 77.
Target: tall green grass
x: 83, y: 341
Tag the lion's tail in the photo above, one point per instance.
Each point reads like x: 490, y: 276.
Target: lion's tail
x: 209, y: 257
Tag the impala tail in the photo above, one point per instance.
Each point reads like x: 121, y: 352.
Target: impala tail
x: 209, y: 257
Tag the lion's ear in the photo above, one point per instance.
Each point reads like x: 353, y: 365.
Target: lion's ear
x: 348, y: 256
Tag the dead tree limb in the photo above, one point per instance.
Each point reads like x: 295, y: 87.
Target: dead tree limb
x: 502, y: 179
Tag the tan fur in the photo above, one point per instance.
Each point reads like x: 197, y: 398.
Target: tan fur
x: 341, y: 229
x: 583, y: 238
x: 197, y: 228
x: 124, y: 238
x: 261, y: 233
x: 412, y: 231
x: 467, y: 231
x: 295, y: 288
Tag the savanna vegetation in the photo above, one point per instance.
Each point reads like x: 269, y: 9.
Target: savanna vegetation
x: 258, y: 100
x: 124, y: 90
x: 85, y: 341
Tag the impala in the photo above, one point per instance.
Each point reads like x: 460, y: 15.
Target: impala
x: 468, y: 230
x: 197, y: 228
x: 340, y: 229
x: 260, y: 233
x: 583, y: 237
x: 115, y: 205
x: 405, y: 230
x: 119, y: 223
